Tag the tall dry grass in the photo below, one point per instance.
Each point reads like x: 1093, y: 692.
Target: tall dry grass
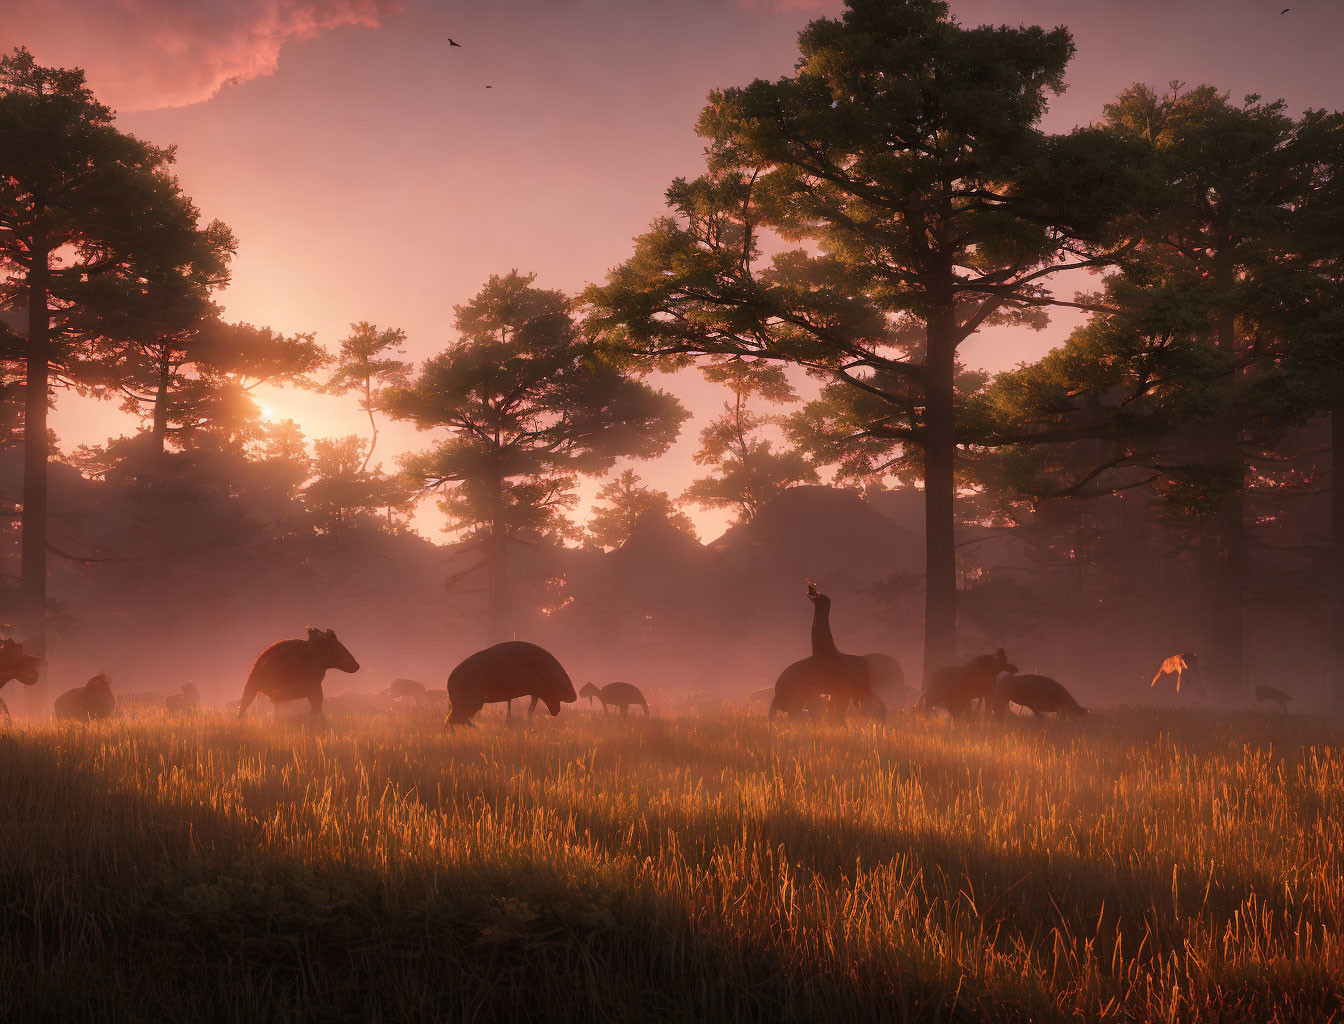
x: 1137, y: 865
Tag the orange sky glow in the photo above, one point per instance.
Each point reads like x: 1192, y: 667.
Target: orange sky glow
x: 370, y: 175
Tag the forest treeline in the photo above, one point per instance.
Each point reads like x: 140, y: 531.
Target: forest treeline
x: 1168, y: 478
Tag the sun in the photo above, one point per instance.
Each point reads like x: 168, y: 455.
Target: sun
x: 268, y: 413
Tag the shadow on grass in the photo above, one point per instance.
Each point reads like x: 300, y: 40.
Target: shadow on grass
x: 114, y: 905
x: 119, y: 907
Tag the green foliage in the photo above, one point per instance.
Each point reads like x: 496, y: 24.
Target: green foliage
x: 93, y: 212
x: 627, y: 500
x: 904, y: 157
x: 366, y: 364
x: 749, y: 470
x: 528, y: 403
x: 525, y: 395
x: 342, y: 492
x: 1187, y: 366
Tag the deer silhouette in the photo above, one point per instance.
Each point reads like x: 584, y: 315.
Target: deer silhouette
x: 828, y: 673
x: 616, y: 695
x: 1180, y: 665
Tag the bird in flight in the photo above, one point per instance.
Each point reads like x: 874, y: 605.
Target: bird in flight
x: 1285, y: 10
x: 489, y: 86
x: 451, y: 43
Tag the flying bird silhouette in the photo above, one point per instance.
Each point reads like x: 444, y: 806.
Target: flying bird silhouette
x: 1285, y: 10
x: 451, y: 43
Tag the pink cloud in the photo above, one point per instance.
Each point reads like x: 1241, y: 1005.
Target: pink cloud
x: 784, y: 6
x: 146, y: 54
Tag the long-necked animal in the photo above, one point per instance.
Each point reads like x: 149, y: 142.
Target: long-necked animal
x: 1274, y: 695
x: 842, y: 678
x: 85, y: 703
x: 1039, y: 694
x: 616, y: 695
x: 16, y: 665
x: 294, y: 669
x: 183, y: 703
x: 507, y: 672
x: 958, y: 687
x: 1181, y: 665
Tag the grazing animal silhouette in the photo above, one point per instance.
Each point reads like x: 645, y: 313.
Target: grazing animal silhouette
x: 616, y: 695
x: 958, y: 687
x: 407, y: 688
x: 15, y: 664
x: 186, y: 702
x: 84, y: 703
x: 844, y: 678
x: 506, y: 672
x: 1041, y: 694
x: 293, y: 670
x: 1274, y: 694
x: 1179, y: 665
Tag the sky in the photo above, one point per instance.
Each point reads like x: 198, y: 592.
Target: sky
x: 369, y: 174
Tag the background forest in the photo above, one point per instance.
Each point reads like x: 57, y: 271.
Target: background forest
x: 1165, y: 480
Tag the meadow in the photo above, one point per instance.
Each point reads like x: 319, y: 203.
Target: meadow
x: 1134, y: 865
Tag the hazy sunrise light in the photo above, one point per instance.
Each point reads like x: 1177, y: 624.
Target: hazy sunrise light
x: 620, y: 510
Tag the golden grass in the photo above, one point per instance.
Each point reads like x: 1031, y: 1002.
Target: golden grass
x: 1135, y: 865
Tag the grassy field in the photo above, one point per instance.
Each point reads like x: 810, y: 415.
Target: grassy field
x: 1135, y: 865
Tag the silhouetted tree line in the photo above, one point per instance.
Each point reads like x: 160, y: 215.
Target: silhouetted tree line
x: 1174, y: 463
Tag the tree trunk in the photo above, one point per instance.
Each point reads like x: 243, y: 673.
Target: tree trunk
x: 1208, y: 590
x: 160, y: 425
x: 33, y: 570
x: 1337, y: 544
x: 1227, y: 636
x: 940, y: 443
x: 498, y: 614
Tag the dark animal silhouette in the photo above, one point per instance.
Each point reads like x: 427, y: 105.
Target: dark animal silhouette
x: 451, y: 44
x: 958, y: 687
x: 293, y: 670
x: 506, y: 672
x: 402, y: 688
x: 186, y: 702
x: 843, y: 678
x: 616, y: 695
x: 1040, y: 694
x: 887, y: 679
x: 1181, y: 665
x: 1273, y: 694
x: 16, y: 665
x: 84, y: 703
